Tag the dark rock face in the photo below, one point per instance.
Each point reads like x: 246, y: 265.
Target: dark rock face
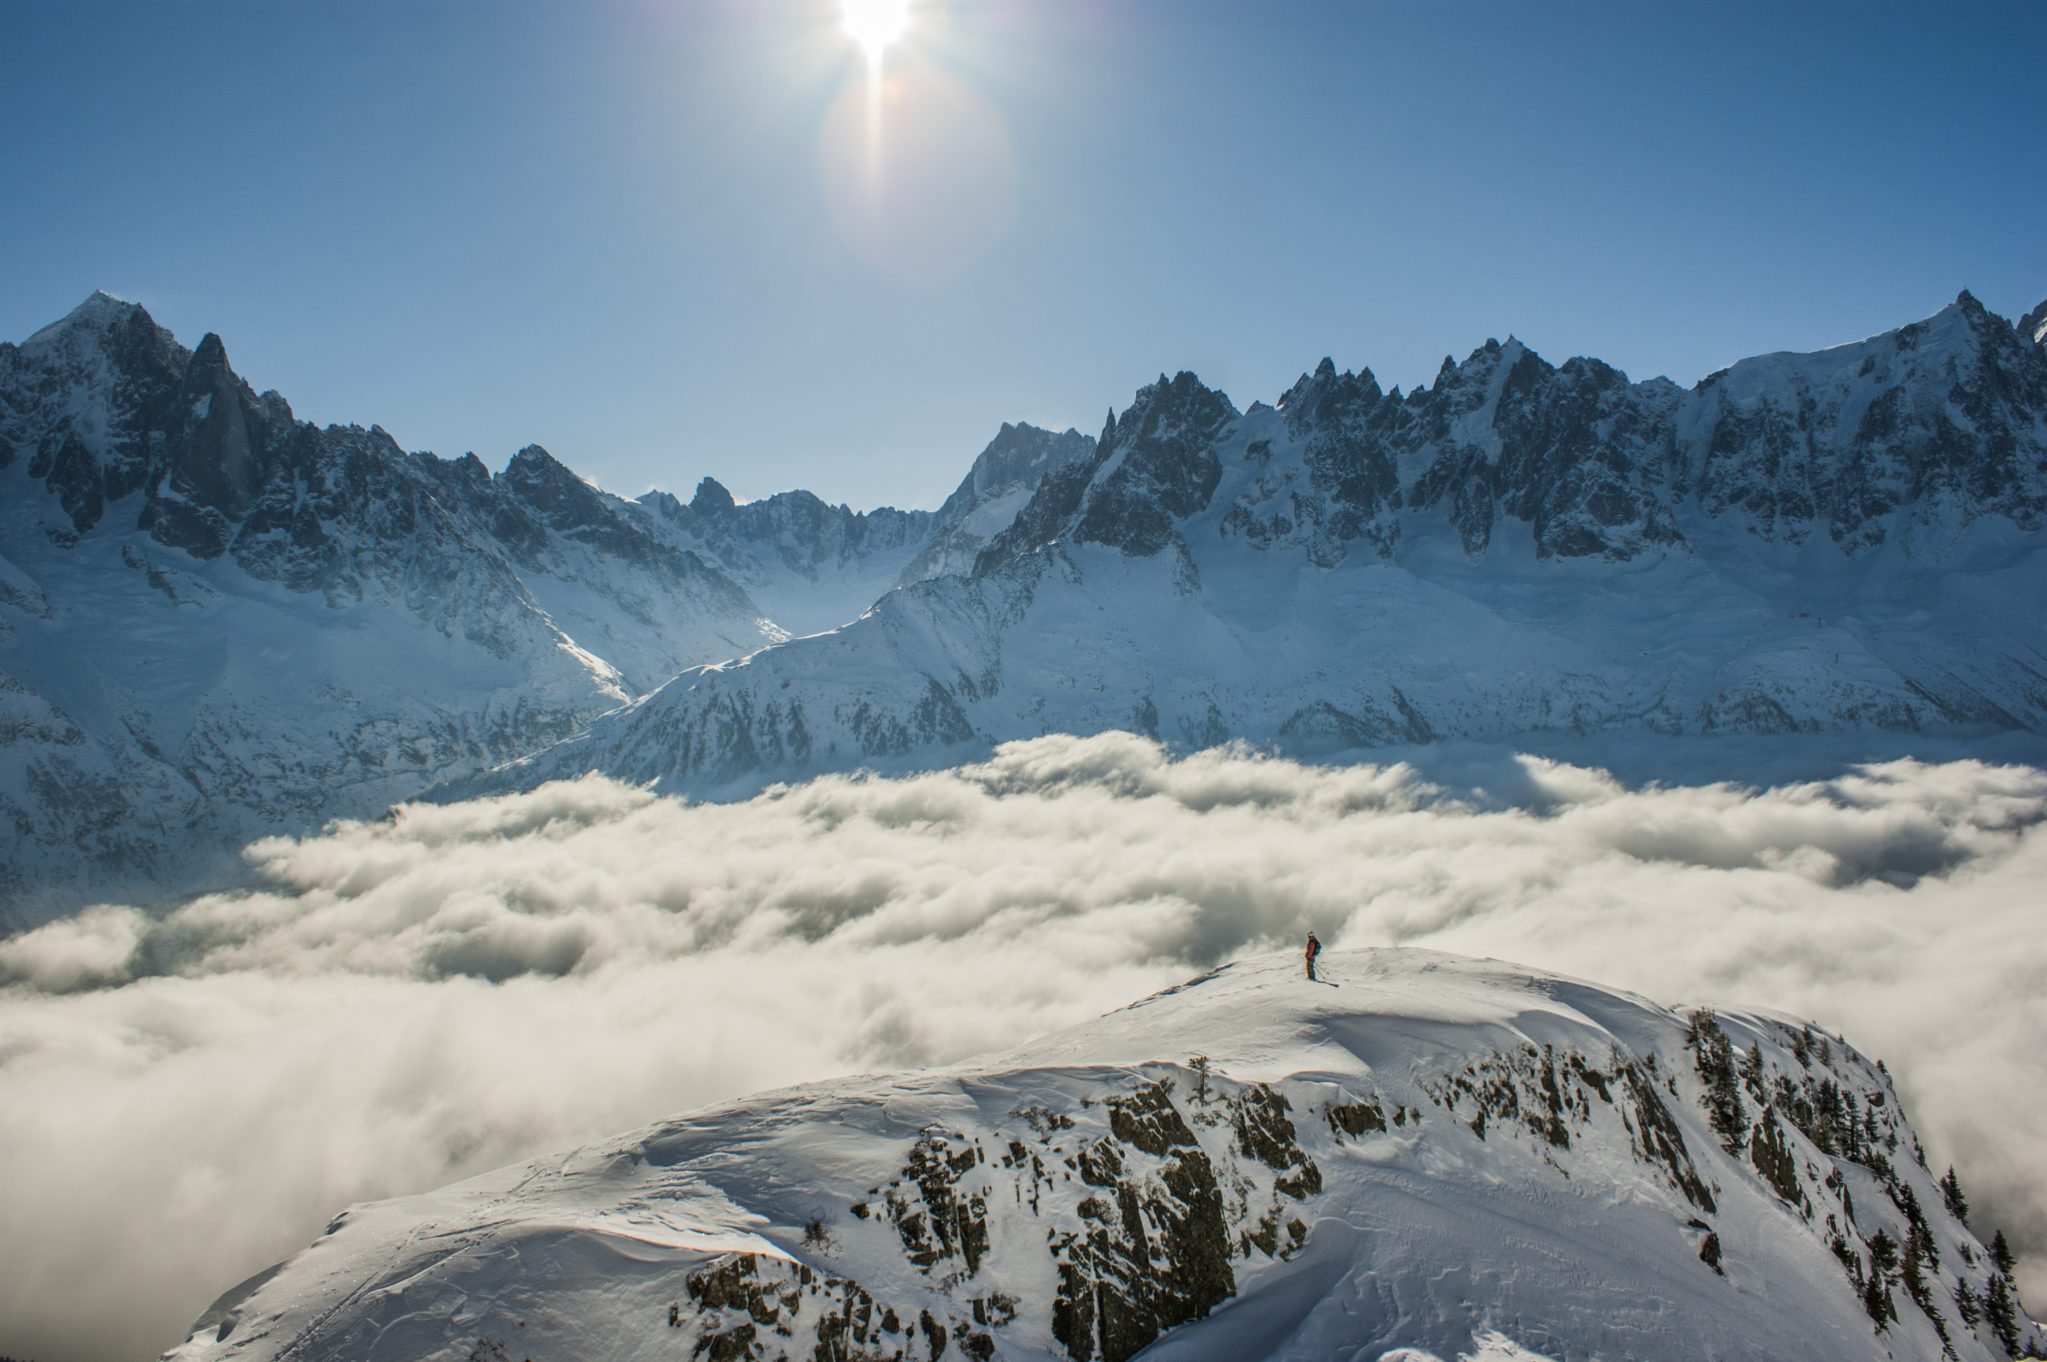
x: 1946, y: 417
x: 224, y: 471
x: 1942, y: 420
x: 1151, y: 468
x: 1345, y: 418
x: 1170, y: 1194
x: 2033, y: 326
x: 1015, y: 463
x: 129, y: 439
x: 1047, y: 515
x: 797, y: 529
x: 1156, y: 466
x: 1155, y: 1253
x: 89, y: 459
x: 749, y: 1308
x: 1548, y: 1095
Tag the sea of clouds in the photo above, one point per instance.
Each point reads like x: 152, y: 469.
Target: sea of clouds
x: 187, y: 1098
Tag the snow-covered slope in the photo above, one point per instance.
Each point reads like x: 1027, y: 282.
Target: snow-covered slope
x: 1423, y: 1157
x: 1802, y: 542
x: 218, y: 622
x: 811, y: 566
x: 814, y: 567
x: 996, y: 488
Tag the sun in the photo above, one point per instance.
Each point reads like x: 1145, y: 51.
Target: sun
x: 874, y: 24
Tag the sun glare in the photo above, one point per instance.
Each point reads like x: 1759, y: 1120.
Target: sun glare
x: 874, y: 24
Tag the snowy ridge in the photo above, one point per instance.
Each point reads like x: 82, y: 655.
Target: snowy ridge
x: 812, y: 566
x: 1425, y: 1157
x: 1801, y: 543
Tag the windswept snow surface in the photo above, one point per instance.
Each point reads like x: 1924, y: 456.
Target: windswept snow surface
x: 1423, y: 1155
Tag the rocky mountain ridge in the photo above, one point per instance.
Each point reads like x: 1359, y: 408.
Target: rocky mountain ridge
x: 1421, y: 1157
x: 1799, y: 543
x: 219, y: 622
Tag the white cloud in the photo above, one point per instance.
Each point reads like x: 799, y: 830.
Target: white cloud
x: 184, y: 1100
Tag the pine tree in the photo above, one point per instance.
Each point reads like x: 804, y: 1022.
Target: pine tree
x: 1752, y: 1076
x: 1967, y: 1304
x: 1920, y: 1255
x: 2002, y: 1314
x: 1876, y: 1291
x: 1951, y: 1192
x: 1713, y: 1054
x: 1907, y: 1201
x: 2001, y: 1254
x: 1202, y: 1069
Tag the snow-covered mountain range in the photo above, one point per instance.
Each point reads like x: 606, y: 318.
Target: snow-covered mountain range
x: 218, y: 622
x: 1424, y: 1157
x: 1801, y: 542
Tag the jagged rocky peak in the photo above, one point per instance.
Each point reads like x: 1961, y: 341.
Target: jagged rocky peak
x: 1325, y: 395
x: 1157, y: 465
x: 1022, y: 451
x: 224, y: 461
x: 103, y: 343
x: 1402, y: 1160
x: 1004, y: 477
x: 100, y: 315
x: 711, y: 498
x: 109, y: 404
x: 541, y: 479
x: 1151, y: 467
x: 2033, y: 326
x: 1937, y: 421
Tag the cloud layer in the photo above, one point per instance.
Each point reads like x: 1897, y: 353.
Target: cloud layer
x: 184, y: 1100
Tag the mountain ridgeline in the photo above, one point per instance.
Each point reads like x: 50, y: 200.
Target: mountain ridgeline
x: 219, y: 622
x: 1426, y: 1157
x: 1799, y: 543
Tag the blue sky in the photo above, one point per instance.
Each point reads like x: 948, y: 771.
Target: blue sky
x: 646, y: 233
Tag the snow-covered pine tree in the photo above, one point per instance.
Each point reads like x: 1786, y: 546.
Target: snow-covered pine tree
x: 2001, y: 1254
x: 1752, y: 1073
x: 2000, y: 1311
x: 1876, y: 1289
x: 1951, y: 1192
x: 1967, y: 1304
x: 1713, y: 1054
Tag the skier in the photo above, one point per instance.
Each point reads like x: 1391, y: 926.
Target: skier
x: 1314, y: 949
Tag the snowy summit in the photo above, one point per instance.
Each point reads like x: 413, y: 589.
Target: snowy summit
x: 1422, y: 1157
